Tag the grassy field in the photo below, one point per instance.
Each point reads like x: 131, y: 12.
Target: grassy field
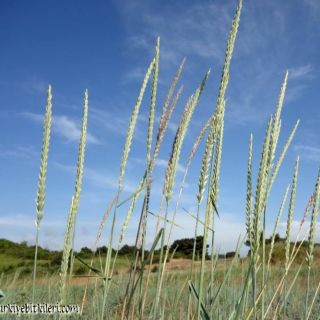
x: 18, y: 290
x: 279, y: 279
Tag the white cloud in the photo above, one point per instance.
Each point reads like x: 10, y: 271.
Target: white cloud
x: 301, y: 234
x: 18, y: 151
x: 100, y: 179
x: 302, y: 72
x: 63, y: 126
x: 308, y: 152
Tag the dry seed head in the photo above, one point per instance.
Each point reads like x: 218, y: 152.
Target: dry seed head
x: 44, y: 159
x: 163, y: 127
x: 306, y: 211
x: 103, y: 221
x: 128, y: 217
x: 171, y: 91
x: 199, y: 139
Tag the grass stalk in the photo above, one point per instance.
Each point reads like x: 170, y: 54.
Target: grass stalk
x: 69, y: 234
x: 40, y: 200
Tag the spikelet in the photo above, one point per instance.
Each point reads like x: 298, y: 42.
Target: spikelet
x: 277, y: 121
x: 81, y: 152
x: 179, y: 138
x: 128, y: 217
x: 153, y: 99
x: 163, y: 125
x: 66, y: 255
x: 203, y: 178
x: 199, y: 138
x: 314, y: 215
x: 282, y: 155
x: 290, y: 213
x: 284, y: 199
x: 228, y: 56
x: 170, y: 93
x: 249, y: 192
x: 261, y: 187
x: 44, y: 159
x: 214, y: 187
x: 132, y: 125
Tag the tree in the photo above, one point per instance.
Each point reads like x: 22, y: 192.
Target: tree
x: 185, y: 246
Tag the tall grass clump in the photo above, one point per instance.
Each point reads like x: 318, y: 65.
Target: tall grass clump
x: 251, y: 287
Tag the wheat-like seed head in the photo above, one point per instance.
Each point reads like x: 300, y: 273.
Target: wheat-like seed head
x: 153, y: 99
x: 132, y: 125
x: 277, y: 120
x: 282, y: 155
x: 103, y: 220
x: 44, y: 159
x: 179, y: 138
x: 291, y: 211
x: 199, y: 138
x: 176, y: 148
x: 66, y: 254
x: 261, y: 187
x: 128, y: 217
x: 214, y: 186
x: 81, y: 152
x: 228, y: 56
x: 69, y: 235
x: 249, y: 192
x: 203, y: 178
x: 170, y: 92
x: 283, y: 202
x: 163, y: 125
x: 306, y: 211
x: 314, y: 215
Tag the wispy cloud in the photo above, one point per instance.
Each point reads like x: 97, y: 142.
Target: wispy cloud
x: 110, y: 121
x: 302, y: 72
x: 63, y: 126
x: 308, y: 152
x: 303, y: 234
x: 18, y: 151
x: 100, y: 179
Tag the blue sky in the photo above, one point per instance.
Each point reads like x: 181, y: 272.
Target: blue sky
x: 105, y: 46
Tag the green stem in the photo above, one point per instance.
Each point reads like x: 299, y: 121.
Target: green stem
x: 35, y: 265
